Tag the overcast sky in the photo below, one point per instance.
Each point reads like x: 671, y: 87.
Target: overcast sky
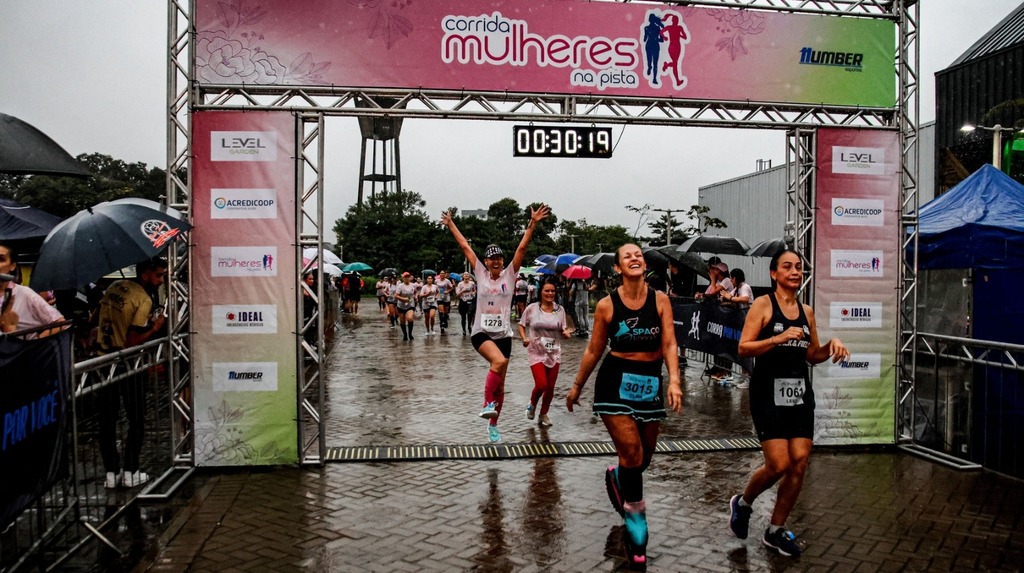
x: 92, y: 75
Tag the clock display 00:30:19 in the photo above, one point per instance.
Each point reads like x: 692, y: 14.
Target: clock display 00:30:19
x: 561, y: 141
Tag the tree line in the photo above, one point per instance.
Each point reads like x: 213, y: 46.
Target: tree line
x: 389, y: 230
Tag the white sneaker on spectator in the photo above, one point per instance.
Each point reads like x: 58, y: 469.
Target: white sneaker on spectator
x: 135, y: 479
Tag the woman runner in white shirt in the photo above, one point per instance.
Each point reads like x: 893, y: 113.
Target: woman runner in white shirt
x: 428, y: 302
x: 492, y: 327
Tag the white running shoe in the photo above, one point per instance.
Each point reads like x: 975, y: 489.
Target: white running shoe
x: 135, y: 479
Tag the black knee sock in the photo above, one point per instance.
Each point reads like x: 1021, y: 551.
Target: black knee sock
x: 410, y: 329
x: 405, y: 332
x: 631, y: 484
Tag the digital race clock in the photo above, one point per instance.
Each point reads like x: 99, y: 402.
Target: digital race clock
x: 561, y: 141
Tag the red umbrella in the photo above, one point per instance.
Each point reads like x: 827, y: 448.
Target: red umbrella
x: 577, y: 272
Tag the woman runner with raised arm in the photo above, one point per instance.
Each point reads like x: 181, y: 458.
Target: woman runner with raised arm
x: 492, y: 326
x: 780, y: 331
x: 636, y: 322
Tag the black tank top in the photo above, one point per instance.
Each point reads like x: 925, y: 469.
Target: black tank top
x: 785, y: 360
x: 635, y: 330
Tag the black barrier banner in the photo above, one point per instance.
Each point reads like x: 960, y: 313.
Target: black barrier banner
x: 34, y: 407
x: 709, y: 327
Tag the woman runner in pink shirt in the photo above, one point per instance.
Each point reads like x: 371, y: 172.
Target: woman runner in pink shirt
x: 540, y: 327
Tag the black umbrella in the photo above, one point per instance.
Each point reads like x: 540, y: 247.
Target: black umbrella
x: 692, y: 261
x: 19, y: 221
x: 24, y: 150
x: 768, y: 248
x: 602, y: 262
x: 388, y: 272
x: 655, y: 259
x: 103, y: 239
x: 716, y: 245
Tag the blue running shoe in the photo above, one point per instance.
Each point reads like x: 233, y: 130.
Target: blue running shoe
x: 739, y: 517
x: 782, y: 541
x: 489, y: 411
x: 635, y: 539
x: 493, y: 434
x: 611, y: 483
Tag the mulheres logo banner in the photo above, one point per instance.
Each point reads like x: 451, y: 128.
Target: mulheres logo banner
x: 572, y: 47
x: 863, y: 264
x: 243, y: 261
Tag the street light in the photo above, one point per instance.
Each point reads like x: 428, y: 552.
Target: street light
x: 997, y: 140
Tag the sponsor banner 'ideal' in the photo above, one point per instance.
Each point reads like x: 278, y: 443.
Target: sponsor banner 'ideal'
x: 572, y: 47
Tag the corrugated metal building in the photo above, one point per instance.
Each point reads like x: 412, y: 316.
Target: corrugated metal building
x: 754, y: 206
x: 984, y: 87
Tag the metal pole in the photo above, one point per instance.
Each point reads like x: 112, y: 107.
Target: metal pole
x: 997, y: 147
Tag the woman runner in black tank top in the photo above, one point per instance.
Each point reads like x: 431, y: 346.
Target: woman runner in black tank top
x: 628, y: 393
x: 781, y: 333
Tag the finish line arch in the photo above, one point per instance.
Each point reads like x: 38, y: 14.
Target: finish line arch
x: 199, y: 34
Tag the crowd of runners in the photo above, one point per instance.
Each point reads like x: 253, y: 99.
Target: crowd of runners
x: 632, y: 347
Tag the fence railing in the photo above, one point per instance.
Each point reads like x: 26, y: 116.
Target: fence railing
x: 968, y: 405
x: 119, y: 402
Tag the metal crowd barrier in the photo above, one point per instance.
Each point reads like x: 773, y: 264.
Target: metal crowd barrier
x: 79, y: 517
x: 968, y: 404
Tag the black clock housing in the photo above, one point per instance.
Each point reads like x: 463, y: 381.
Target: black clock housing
x: 561, y: 141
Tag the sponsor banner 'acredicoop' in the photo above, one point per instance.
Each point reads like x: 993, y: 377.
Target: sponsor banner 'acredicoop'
x: 243, y: 204
x: 858, y: 212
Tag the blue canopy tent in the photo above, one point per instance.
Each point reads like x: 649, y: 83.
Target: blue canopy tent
x: 977, y: 224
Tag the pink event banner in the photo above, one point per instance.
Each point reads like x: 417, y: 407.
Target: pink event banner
x: 856, y: 277
x: 244, y: 288
x: 557, y: 46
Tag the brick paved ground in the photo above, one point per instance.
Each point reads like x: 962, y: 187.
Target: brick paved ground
x: 860, y: 510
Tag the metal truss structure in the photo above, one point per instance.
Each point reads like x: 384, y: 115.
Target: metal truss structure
x: 309, y: 225
x: 186, y: 94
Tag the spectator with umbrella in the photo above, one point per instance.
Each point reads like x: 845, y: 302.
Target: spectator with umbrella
x: 128, y: 316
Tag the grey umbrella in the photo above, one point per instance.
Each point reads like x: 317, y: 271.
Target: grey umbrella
x: 103, y: 239
x: 769, y: 248
x: 19, y: 221
x: 716, y: 245
x: 24, y: 150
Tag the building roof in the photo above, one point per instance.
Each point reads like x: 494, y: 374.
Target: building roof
x: 1008, y: 32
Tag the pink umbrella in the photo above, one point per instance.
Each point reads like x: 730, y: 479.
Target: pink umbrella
x: 577, y: 272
